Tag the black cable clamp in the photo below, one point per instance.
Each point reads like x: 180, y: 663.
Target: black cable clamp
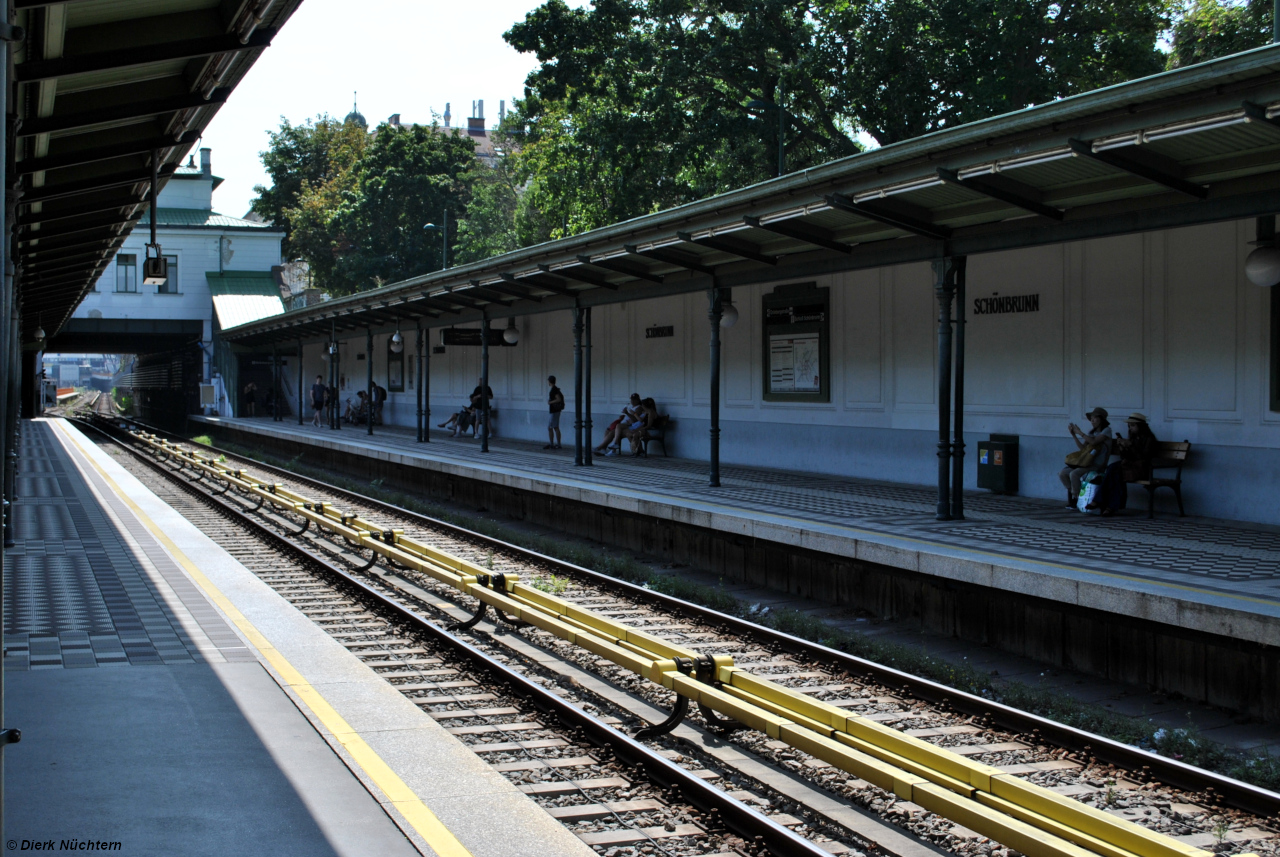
x: 10, y: 736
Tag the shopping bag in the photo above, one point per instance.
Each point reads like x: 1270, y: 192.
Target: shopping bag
x: 1088, y: 490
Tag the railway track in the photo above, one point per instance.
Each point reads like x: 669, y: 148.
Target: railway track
x: 1192, y: 811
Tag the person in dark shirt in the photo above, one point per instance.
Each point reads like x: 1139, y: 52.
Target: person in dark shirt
x: 555, y: 401
x: 318, y: 392
x: 1134, y: 465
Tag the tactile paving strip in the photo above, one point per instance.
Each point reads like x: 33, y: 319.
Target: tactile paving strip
x: 75, y: 593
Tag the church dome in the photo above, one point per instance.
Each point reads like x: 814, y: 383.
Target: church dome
x: 356, y: 116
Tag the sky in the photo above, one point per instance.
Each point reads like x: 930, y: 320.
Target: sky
x: 401, y: 56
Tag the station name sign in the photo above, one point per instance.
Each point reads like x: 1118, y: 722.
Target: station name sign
x: 1009, y: 303
x: 471, y: 336
x: 659, y: 332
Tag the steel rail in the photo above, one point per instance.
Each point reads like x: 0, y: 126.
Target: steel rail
x: 737, y: 816
x: 1141, y: 762
x: 1012, y: 811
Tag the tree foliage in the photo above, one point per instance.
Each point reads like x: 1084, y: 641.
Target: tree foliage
x: 354, y: 203
x: 1208, y: 29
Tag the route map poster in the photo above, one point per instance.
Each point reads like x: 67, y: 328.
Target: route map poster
x: 794, y: 364
x: 796, y: 344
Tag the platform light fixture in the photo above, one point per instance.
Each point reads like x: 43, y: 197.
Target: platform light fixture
x: 397, y: 342
x: 511, y: 335
x: 39, y: 333
x: 1262, y: 266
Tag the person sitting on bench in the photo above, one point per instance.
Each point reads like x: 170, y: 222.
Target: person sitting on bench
x: 1093, y: 449
x: 614, y: 433
x: 1134, y: 464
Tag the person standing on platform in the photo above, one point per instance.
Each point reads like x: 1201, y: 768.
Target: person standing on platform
x: 318, y: 395
x: 555, y: 400
x: 250, y: 399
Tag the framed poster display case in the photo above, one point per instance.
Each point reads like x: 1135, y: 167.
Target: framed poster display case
x: 797, y: 344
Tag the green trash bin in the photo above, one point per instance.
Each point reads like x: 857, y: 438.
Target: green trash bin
x: 998, y: 464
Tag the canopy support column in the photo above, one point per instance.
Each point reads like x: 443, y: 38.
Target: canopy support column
x: 368, y: 367
x: 715, y: 312
x: 301, y: 383
x: 958, y: 266
x: 417, y: 371
x: 484, y: 385
x: 275, y: 383
x: 586, y: 386
x: 945, y: 291
x: 577, y: 387
x: 424, y: 357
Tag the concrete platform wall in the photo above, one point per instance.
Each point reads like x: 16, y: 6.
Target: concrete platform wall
x: 1162, y: 323
x: 1206, y: 667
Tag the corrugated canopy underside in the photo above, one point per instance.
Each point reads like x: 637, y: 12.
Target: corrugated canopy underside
x: 105, y: 90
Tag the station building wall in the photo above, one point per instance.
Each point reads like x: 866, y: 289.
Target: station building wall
x: 1162, y: 323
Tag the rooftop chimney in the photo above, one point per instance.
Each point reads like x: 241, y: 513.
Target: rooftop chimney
x: 480, y: 111
x: 394, y: 121
x: 502, y: 111
x: 447, y: 115
x: 206, y: 163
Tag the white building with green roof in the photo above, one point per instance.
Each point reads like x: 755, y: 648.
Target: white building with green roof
x: 218, y: 264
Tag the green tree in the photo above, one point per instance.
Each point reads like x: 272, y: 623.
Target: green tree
x: 1208, y: 29
x: 316, y: 233
x: 406, y: 178
x: 911, y: 67
x: 500, y: 217
x: 298, y: 156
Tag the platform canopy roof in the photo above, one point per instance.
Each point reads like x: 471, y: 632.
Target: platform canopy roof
x: 100, y: 86
x: 1190, y: 146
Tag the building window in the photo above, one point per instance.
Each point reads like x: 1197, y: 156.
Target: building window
x: 127, y: 272
x: 170, y: 286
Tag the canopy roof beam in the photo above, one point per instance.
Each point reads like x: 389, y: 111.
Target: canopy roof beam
x: 1005, y: 190
x: 521, y: 293
x: 889, y: 217
x: 120, y: 113
x: 731, y: 245
x: 186, y: 49
x: 91, y: 155
x: 671, y: 256
x: 800, y: 231
x: 622, y: 266
x: 1144, y: 165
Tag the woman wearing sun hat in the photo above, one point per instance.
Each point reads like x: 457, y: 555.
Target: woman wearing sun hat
x: 1096, y: 443
x: 1134, y: 465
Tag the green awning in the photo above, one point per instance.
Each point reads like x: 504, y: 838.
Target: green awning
x: 240, y: 297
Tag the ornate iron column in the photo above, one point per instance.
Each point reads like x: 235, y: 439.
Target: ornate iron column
x: 368, y: 367
x: 577, y: 387
x: 275, y: 383
x: 714, y: 313
x: 424, y: 358
x: 586, y: 386
x: 944, y: 289
x: 417, y: 370
x: 958, y: 265
x: 484, y: 383
x: 301, y: 382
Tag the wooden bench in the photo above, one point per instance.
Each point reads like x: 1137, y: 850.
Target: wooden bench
x: 1170, y: 455
x: 657, y: 432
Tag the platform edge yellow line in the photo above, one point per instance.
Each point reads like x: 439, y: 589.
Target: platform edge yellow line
x: 403, y: 798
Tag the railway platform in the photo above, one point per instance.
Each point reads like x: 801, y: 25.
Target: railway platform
x: 1193, y: 579
x: 173, y: 703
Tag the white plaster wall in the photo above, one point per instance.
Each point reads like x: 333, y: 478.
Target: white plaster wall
x: 1162, y: 323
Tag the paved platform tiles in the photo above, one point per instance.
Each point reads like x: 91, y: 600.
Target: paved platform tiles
x: 1221, y: 577
x: 178, y: 705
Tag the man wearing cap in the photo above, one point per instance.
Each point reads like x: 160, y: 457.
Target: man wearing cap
x: 1098, y: 443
